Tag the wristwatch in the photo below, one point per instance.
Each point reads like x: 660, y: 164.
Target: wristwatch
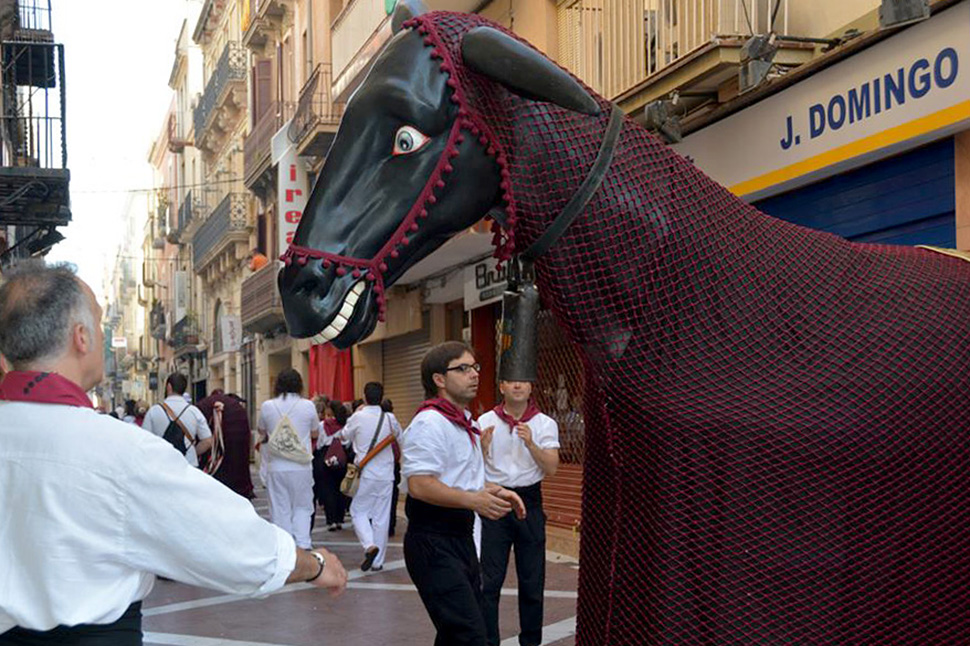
x: 323, y: 563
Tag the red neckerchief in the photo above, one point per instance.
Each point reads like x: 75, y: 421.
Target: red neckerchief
x: 531, y: 411
x: 330, y: 426
x: 42, y: 388
x: 453, y: 414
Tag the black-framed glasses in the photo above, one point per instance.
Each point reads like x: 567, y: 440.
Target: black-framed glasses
x: 465, y: 367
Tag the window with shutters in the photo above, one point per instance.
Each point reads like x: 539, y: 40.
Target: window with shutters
x: 262, y: 83
x: 261, y: 233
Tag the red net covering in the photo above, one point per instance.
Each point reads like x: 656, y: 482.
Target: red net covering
x: 776, y: 446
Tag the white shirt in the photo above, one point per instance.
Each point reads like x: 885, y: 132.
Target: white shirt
x: 156, y: 421
x: 508, y: 461
x: 360, y: 430
x: 436, y: 447
x: 303, y: 416
x: 90, y: 512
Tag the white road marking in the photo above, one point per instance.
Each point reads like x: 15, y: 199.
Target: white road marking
x: 190, y: 640
x: 550, y: 634
x: 230, y: 598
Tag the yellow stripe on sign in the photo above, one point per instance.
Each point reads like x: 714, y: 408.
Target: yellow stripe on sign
x: 956, y: 253
x: 902, y: 132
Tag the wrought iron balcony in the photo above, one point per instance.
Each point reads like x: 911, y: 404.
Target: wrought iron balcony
x: 317, y: 116
x: 156, y: 320
x: 226, y: 225
x: 257, y: 151
x: 176, y: 135
x: 223, y: 101
x: 190, y: 210
x: 262, y: 309
x: 261, y: 21
x: 639, y: 51
x: 33, y: 171
x: 185, y: 335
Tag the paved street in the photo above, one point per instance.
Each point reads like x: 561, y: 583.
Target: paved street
x: 377, y: 608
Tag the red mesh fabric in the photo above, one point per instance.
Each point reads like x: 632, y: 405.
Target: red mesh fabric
x: 776, y: 419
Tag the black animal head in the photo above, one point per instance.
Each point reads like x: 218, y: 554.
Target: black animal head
x: 412, y: 165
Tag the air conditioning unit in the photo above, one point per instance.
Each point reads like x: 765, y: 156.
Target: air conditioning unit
x: 896, y: 13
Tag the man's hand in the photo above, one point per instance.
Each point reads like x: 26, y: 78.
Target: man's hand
x: 334, y: 576
x: 487, y: 439
x: 489, y: 505
x: 525, y: 434
x: 513, y: 499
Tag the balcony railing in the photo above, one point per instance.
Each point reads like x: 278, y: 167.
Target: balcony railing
x: 190, y: 209
x: 317, y: 116
x: 35, y: 15
x: 33, y: 139
x: 613, y: 45
x: 226, y: 224
x: 262, y: 309
x: 185, y: 333
x: 156, y: 321
x: 230, y: 68
x: 257, y: 150
x: 260, y: 19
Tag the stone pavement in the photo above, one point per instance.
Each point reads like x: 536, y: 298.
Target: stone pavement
x: 377, y: 608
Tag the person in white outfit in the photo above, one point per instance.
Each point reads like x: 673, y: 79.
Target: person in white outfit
x: 189, y: 418
x: 93, y: 511
x: 371, y: 508
x: 289, y: 480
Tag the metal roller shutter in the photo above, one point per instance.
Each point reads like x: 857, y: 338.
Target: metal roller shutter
x: 907, y: 199
x: 402, y: 372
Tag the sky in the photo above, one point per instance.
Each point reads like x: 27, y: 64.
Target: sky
x: 118, y: 58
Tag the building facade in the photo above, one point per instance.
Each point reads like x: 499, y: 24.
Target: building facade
x: 848, y: 116
x: 34, y: 176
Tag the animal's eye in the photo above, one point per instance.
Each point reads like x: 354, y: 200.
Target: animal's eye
x: 408, y: 139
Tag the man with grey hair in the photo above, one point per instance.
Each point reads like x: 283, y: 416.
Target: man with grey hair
x: 92, y: 511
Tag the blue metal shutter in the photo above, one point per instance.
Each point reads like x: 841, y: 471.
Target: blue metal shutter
x: 907, y: 199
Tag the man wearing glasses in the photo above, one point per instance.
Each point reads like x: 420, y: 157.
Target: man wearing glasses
x: 445, y: 472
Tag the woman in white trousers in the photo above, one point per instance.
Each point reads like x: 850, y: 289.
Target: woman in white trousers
x: 289, y: 475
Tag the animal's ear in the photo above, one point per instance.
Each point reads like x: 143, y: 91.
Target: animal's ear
x: 404, y: 11
x: 523, y: 70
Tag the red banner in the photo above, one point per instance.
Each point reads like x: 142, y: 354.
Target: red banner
x: 331, y: 372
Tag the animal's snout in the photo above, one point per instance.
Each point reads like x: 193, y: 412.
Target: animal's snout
x: 308, y: 279
x: 324, y: 302
x: 303, y: 288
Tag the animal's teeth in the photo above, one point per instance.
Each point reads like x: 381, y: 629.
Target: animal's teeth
x: 343, y: 317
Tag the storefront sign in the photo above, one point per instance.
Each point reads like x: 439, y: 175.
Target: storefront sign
x: 119, y: 342
x: 484, y: 283
x: 231, y: 333
x: 292, y: 187
x: 181, y: 295
x: 907, y: 90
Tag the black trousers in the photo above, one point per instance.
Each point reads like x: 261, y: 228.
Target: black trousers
x: 395, y: 492
x: 124, y: 632
x: 445, y: 570
x: 528, y: 538
x: 328, y: 493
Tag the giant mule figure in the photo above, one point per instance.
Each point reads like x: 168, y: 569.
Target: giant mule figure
x: 777, y: 420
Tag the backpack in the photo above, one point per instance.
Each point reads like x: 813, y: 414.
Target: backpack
x: 284, y: 442
x: 176, y: 433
